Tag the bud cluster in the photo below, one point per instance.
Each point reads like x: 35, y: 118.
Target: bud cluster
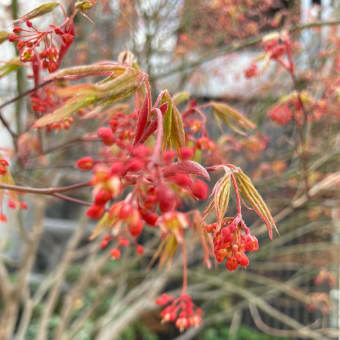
x: 3, y: 167
x: 182, y: 311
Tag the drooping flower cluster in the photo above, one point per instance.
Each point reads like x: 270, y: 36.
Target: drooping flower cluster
x: 180, y: 310
x: 232, y: 242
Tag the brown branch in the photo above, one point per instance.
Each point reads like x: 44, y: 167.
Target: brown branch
x: 6, y: 125
x: 43, y: 191
x: 24, y: 94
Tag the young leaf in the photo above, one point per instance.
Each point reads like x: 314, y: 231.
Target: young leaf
x: 3, y: 36
x: 231, y: 117
x: 9, y: 67
x: 104, y: 223
x: 180, y: 97
x: 73, y: 105
x: 143, y: 115
x: 220, y: 201
x: 177, y: 129
x: 186, y: 167
x: 221, y: 193
x: 249, y: 192
x: 173, y: 130
x: 39, y: 11
x: 167, y: 120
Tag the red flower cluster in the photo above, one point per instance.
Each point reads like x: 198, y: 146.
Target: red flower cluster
x: 231, y: 242
x: 280, y: 114
x: 181, y: 310
x: 35, y: 45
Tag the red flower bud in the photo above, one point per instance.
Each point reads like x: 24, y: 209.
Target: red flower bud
x: 102, y: 196
x: 200, y: 189
x: 166, y: 198
x: 182, y: 180
x: 232, y: 263
x: 186, y: 152
x: 135, y: 165
x: 168, y: 156
x: 136, y: 228
x: 106, y: 135
x: 115, y: 253
x: 95, y: 211
x: 85, y: 163
x: 139, y: 250
x: 117, y: 168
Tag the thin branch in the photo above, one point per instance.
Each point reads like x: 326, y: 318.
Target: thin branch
x: 237, y: 46
x: 8, y: 128
x: 24, y: 94
x: 44, y: 191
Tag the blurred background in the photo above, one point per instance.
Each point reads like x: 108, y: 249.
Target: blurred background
x: 55, y: 284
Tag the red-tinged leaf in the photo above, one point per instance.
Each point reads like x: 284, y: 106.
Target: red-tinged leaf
x: 143, y: 115
x: 249, y: 192
x: 73, y: 105
x: 186, y: 167
x: 163, y: 108
x: 151, y: 128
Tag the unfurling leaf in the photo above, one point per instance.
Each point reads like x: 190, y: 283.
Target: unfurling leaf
x: 166, y: 250
x: 38, y: 12
x: 231, y: 117
x: 123, y: 82
x: 84, y: 5
x: 3, y: 36
x: 249, y: 192
x: 220, y: 200
x: 221, y: 195
x: 186, y: 167
x: 73, y: 105
x: 143, y: 115
x: 173, y: 130
x: 9, y: 67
